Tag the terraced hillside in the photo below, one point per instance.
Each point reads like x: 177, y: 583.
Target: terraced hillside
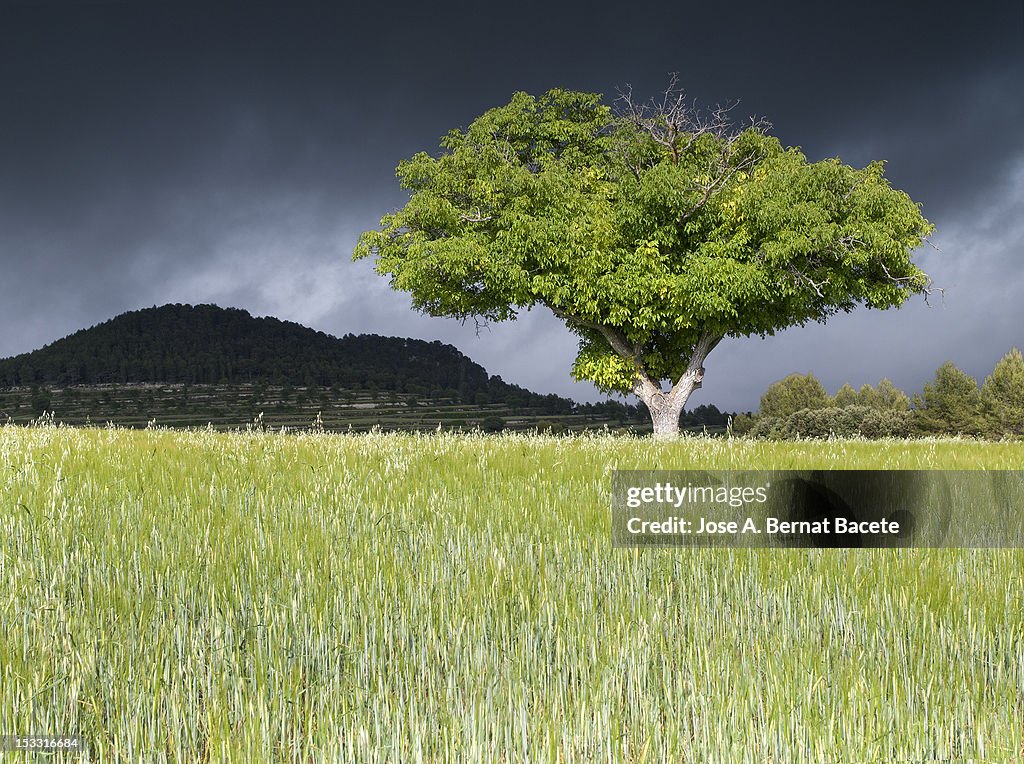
x: 228, y: 407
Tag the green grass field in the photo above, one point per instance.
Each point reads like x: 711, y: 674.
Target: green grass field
x: 201, y: 596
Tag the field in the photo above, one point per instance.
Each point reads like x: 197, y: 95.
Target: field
x: 205, y: 596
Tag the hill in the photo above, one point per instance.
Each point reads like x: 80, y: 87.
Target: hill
x: 188, y: 365
x: 209, y: 345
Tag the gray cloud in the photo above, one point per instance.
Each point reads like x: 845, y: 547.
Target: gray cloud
x: 232, y: 154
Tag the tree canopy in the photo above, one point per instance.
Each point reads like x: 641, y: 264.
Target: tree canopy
x: 652, y: 230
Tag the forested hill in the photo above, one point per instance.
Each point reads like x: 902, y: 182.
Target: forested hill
x: 206, y: 344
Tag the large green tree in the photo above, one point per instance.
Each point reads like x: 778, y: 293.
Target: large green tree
x: 652, y: 230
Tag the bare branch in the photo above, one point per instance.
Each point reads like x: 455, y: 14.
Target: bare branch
x: 726, y: 172
x: 800, y: 276
x: 675, y: 122
x: 930, y: 290
x: 853, y: 188
x: 927, y: 289
x: 479, y: 325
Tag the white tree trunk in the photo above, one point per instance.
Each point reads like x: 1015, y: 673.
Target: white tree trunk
x: 666, y: 407
x: 665, y: 421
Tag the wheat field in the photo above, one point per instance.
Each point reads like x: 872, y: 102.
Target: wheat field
x: 259, y: 596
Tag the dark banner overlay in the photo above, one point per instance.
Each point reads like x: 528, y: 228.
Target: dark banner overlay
x: 819, y: 508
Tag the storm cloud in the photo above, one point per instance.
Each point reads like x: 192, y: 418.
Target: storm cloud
x: 232, y: 153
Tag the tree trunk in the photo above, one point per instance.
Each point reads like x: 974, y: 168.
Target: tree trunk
x: 665, y: 420
x: 666, y: 407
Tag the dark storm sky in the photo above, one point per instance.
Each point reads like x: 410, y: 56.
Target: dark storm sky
x: 155, y: 152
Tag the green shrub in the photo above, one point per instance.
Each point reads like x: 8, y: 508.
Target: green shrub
x: 742, y: 424
x: 492, y: 424
x: 767, y: 427
x: 824, y: 423
x: 835, y: 422
x: 887, y: 423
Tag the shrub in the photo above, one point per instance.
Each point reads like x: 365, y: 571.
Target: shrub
x: 492, y: 424
x: 766, y: 427
x: 792, y: 394
x: 742, y: 424
x: 824, y: 423
x: 835, y: 422
x: 887, y: 423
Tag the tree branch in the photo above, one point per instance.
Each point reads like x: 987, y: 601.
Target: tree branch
x: 645, y: 388
x: 675, y: 122
x: 693, y: 377
x: 927, y: 289
x: 799, y: 276
x: 853, y: 188
x: 477, y: 218
x: 614, y: 337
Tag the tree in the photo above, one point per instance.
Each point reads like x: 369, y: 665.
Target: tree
x: 652, y: 230
x: 950, y: 404
x: 492, y: 424
x: 888, y: 396
x: 40, y: 401
x: 869, y: 396
x: 884, y: 397
x: 794, y: 393
x: 846, y: 396
x: 1002, y: 395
